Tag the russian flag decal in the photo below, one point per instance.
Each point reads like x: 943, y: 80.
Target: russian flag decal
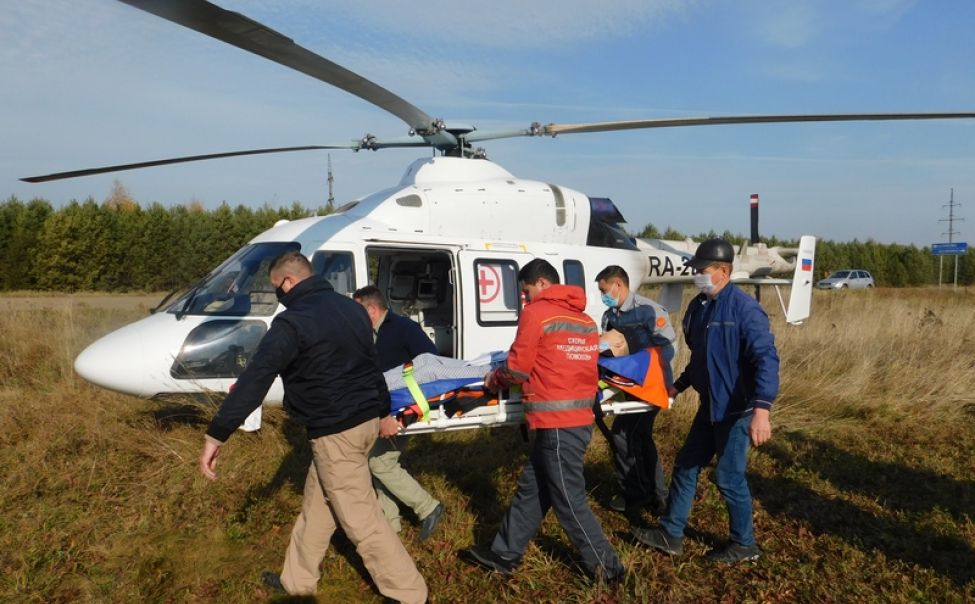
x: 807, y: 264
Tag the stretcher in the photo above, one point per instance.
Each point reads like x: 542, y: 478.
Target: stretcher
x: 450, y: 394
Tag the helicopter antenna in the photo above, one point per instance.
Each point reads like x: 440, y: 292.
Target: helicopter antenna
x: 330, y: 205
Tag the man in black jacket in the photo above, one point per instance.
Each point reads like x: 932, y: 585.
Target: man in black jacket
x: 322, y: 348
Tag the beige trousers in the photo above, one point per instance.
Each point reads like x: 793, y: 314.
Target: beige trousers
x: 339, y: 493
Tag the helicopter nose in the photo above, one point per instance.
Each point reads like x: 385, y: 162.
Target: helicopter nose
x: 115, y: 361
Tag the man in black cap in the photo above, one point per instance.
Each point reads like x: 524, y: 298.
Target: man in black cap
x: 734, y: 368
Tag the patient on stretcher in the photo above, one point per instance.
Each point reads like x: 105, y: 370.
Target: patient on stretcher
x: 430, y: 381
x: 456, y: 386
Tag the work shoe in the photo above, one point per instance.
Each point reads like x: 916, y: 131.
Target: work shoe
x: 428, y: 524
x: 617, y: 504
x: 658, y: 539
x: 484, y: 556
x: 734, y: 553
x: 620, y: 504
x: 272, y: 581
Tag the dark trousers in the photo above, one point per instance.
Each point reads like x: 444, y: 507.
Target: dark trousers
x: 553, y: 478
x: 638, y: 469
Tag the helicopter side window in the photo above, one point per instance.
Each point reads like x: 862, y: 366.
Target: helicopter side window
x: 218, y: 349
x: 338, y: 268
x: 574, y: 273
x: 498, y: 298
x: 240, y: 286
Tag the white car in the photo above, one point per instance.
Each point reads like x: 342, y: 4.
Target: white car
x: 847, y: 278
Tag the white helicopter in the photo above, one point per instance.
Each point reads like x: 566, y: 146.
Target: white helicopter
x: 444, y: 244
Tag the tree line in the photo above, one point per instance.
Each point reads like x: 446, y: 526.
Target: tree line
x: 119, y: 245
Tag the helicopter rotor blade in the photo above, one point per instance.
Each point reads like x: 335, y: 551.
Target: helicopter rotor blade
x: 178, y: 160
x: 555, y: 129
x: 368, y: 142
x: 243, y: 32
x: 537, y: 129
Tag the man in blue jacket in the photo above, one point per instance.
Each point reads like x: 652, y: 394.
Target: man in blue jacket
x: 321, y: 346
x: 734, y: 368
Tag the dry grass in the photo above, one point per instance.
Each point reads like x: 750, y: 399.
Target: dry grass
x: 865, y: 493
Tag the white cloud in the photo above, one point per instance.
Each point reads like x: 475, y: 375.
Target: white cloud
x: 788, y: 24
x: 891, y: 8
x: 512, y: 24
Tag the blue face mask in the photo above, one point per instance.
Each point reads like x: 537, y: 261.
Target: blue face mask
x: 609, y: 300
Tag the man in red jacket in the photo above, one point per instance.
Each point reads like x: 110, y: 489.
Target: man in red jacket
x: 554, y: 356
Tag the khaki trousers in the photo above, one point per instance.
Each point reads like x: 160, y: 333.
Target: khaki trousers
x: 339, y: 493
x: 394, y: 483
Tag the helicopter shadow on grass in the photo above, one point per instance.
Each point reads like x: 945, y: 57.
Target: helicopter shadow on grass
x: 185, y: 410
x: 899, y: 488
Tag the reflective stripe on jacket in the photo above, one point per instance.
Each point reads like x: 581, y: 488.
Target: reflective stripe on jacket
x: 554, y: 354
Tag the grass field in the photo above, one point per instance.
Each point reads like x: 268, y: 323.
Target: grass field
x: 865, y: 493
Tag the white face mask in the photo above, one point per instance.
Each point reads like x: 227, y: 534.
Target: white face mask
x: 703, y: 282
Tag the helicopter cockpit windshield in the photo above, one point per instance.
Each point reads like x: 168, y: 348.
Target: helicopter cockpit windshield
x: 239, y: 287
x: 604, y: 226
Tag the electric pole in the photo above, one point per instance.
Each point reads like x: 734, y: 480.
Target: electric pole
x: 330, y: 205
x: 951, y: 232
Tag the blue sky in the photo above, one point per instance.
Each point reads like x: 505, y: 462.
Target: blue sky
x: 94, y: 82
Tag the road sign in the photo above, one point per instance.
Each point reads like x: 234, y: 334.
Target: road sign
x: 949, y: 249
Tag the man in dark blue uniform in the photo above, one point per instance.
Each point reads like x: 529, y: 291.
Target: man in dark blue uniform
x: 734, y: 368
x: 398, y: 340
x: 643, y: 323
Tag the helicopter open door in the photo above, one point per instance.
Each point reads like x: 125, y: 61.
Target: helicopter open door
x: 491, y: 299
x: 418, y: 282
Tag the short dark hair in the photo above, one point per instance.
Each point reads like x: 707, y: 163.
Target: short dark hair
x: 538, y: 269
x: 293, y: 261
x: 370, y: 294
x: 613, y: 271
